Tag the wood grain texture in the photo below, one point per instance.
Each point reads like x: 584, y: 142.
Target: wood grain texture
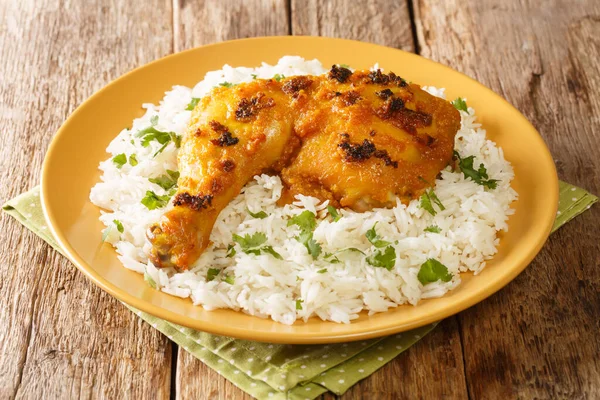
x: 60, y: 336
x: 538, y: 337
x: 431, y: 369
x: 229, y: 20
x: 383, y: 22
x: 196, y: 23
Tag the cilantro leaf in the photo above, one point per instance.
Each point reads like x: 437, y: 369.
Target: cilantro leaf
x: 231, y: 251
x: 432, y: 270
x: 119, y: 160
x: 433, y: 229
x: 383, y: 258
x: 334, y: 213
x: 192, y: 104
x: 166, y: 181
x: 212, y: 274
x: 248, y: 242
x: 176, y: 139
x: 460, y: 104
x: 254, y: 76
x: 480, y: 175
x: 306, y: 238
x: 314, y: 248
x: 259, y: 215
x: 152, y: 201
x: 150, y: 134
x: 426, y: 202
x: 373, y: 237
x: 322, y: 271
x: 299, y: 304
x: 133, y: 160
x: 332, y: 258
x: 253, y: 244
x: 149, y: 280
x: 306, y: 221
x: 278, y: 77
x: 119, y: 225
x: 229, y: 279
x: 269, y: 249
x: 226, y: 84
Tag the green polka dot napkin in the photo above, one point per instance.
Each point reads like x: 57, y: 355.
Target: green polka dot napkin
x: 274, y: 371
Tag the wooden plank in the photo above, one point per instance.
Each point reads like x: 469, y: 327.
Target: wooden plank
x: 538, y: 337
x: 383, y: 22
x: 202, y: 22
x: 61, y: 337
x: 229, y: 19
x: 431, y: 369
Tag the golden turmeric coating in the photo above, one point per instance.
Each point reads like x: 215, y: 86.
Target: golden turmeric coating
x: 358, y: 139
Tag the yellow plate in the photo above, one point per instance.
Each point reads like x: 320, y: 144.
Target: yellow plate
x: 71, y: 168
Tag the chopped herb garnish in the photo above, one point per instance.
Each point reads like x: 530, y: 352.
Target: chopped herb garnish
x: 299, y: 304
x: 226, y: 84
x: 253, y: 244
x: 314, y: 248
x: 154, y: 120
x: 428, y: 199
x: 229, y: 279
x: 192, y: 104
x: 119, y: 160
x: 269, y: 249
x: 151, y: 133
x: 480, y: 175
x: 254, y: 76
x: 259, y: 215
x: 166, y: 181
x: 119, y: 225
x: 250, y: 241
x: 322, y: 271
x: 133, y: 160
x: 152, y: 201
x: 212, y: 274
x: 334, y: 213
x: 433, y: 229
x: 231, y: 251
x: 374, y: 238
x: 383, y: 258
x: 149, y: 280
x: 432, y: 270
x: 278, y: 77
x: 307, y: 223
x: 332, y: 257
x: 460, y: 104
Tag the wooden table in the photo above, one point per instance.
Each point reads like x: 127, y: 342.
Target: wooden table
x: 61, y: 337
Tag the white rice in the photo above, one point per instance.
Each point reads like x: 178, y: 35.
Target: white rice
x: 267, y: 287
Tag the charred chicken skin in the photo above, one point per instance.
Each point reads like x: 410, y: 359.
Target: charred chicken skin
x: 358, y: 139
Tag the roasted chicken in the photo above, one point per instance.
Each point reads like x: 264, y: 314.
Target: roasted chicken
x: 358, y: 139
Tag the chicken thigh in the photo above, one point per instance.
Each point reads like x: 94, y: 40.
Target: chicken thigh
x: 358, y: 139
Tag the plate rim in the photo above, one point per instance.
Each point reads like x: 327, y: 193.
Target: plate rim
x: 288, y: 337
